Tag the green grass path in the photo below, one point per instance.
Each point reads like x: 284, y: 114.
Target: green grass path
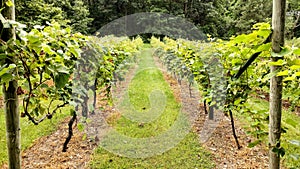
x: 164, y: 113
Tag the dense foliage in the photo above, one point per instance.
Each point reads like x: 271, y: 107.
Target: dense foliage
x: 65, y: 12
x: 220, y: 18
x: 49, y: 58
x: 104, y: 61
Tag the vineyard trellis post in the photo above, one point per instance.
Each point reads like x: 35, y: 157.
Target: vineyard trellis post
x: 10, y: 93
x: 278, y: 24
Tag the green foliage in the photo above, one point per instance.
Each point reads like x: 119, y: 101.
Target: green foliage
x: 47, y: 60
x: 293, y: 19
x: 290, y: 123
x: 75, y: 12
x: 232, y: 55
x: 44, y: 56
x: 37, y: 12
x: 220, y: 18
x: 104, y: 61
x: 41, y: 12
x: 45, y: 63
x: 244, y: 14
x: 206, y: 15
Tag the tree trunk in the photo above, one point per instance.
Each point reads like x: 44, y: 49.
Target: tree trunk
x: 11, y: 99
x: 278, y: 20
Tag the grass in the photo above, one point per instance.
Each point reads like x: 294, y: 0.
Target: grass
x: 153, y: 154
x: 188, y: 154
x: 290, y: 122
x: 29, y: 131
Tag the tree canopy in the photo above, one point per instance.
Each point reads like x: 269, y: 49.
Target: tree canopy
x: 219, y: 18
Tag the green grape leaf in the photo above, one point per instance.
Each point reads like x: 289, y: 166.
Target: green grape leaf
x: 283, y: 73
x: 47, y: 49
x: 283, y: 52
x: 61, y: 80
x: 279, y: 151
x: 279, y: 62
x: 254, y: 143
x: 9, y: 3
x: 294, y: 67
x: 289, y: 79
x: 80, y: 127
x: 291, y: 122
x: 297, y: 51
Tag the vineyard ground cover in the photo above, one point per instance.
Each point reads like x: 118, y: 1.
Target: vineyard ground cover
x: 290, y: 122
x: 188, y: 154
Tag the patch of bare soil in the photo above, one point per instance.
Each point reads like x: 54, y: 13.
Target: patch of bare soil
x: 225, y: 152
x: 216, y: 136
x: 46, y: 152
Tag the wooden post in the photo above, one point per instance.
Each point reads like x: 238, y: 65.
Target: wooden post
x: 11, y: 98
x: 278, y: 24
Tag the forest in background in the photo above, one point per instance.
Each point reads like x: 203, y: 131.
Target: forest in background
x: 219, y: 18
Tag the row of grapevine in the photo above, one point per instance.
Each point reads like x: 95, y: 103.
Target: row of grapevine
x: 51, y: 65
x: 241, y: 67
x: 104, y: 62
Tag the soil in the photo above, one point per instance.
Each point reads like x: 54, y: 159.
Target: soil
x: 46, y: 152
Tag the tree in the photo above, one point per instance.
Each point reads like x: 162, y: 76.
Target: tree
x: 293, y: 19
x: 278, y: 24
x: 244, y: 14
x: 105, y: 11
x: 205, y: 14
x: 67, y: 13
x: 10, y: 89
x: 75, y: 12
x: 37, y: 12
